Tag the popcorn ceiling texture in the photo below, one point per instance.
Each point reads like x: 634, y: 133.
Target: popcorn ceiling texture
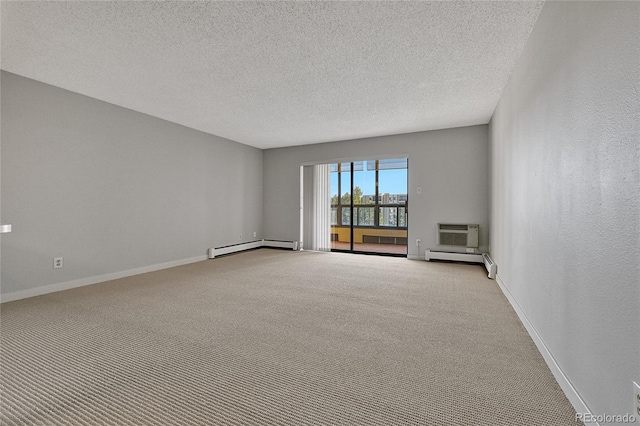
x: 272, y: 74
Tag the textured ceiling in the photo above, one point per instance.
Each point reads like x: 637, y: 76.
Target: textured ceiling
x: 271, y: 74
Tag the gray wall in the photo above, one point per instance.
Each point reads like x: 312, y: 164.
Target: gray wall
x: 564, y: 144
x: 111, y: 189
x: 451, y: 167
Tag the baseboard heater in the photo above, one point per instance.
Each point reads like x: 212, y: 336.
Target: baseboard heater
x: 293, y: 245
x: 459, y: 257
x: 234, y: 248
x: 483, y: 258
x: 491, y: 266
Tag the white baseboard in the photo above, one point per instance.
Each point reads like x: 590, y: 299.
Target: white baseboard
x: 414, y: 257
x: 52, y: 288
x: 572, y: 394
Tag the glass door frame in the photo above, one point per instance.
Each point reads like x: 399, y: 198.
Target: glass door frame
x: 377, y: 206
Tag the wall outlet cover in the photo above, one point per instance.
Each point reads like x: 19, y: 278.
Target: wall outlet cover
x: 58, y: 262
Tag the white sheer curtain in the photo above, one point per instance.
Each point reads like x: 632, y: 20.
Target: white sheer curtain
x: 315, y: 232
x: 321, y: 230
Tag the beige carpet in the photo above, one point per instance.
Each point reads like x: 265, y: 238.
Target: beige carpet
x: 273, y: 337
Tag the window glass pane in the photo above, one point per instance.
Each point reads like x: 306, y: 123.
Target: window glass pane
x: 402, y: 218
x: 388, y: 216
x: 334, y: 215
x: 364, y: 184
x: 334, y: 185
x: 345, y: 187
x: 365, y: 216
x: 392, y: 186
x: 392, y: 163
x: 346, y: 216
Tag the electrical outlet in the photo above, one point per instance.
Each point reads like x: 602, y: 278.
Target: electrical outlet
x: 418, y: 242
x: 636, y: 399
x: 58, y: 262
x: 418, y: 190
x: 471, y: 250
x: 255, y: 234
x: 240, y: 236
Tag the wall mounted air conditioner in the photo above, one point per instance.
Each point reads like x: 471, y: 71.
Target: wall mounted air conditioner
x: 458, y: 235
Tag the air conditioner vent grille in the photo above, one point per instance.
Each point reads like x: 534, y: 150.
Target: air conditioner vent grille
x: 458, y: 235
x: 450, y: 239
x: 450, y: 227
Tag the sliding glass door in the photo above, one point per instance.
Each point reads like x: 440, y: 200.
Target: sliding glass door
x: 369, y: 206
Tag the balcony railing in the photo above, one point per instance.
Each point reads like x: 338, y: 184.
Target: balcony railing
x: 370, y: 215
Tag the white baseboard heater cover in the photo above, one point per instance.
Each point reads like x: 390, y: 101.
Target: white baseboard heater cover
x: 459, y: 257
x: 491, y: 266
x: 293, y: 245
x: 219, y: 251
x: 483, y: 258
